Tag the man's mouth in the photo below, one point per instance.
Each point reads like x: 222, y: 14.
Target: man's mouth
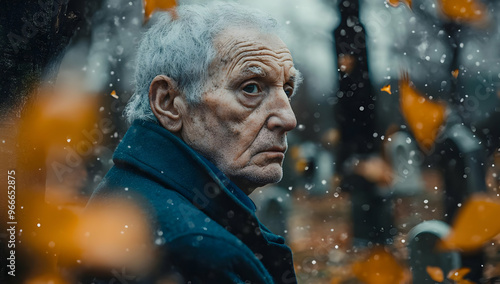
x: 274, y: 153
x: 276, y: 149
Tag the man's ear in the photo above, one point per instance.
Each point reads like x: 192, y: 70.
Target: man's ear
x: 163, y: 92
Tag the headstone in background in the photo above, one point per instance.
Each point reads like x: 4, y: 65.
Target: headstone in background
x: 406, y: 160
x: 273, y: 207
x: 422, y: 240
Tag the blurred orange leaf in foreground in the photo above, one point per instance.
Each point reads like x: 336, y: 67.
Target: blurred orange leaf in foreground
x: 336, y: 280
x: 424, y: 116
x: 115, y: 234
x: 45, y: 278
x: 152, y: 5
x: 380, y: 267
x: 475, y: 224
x: 435, y: 273
x: 464, y: 281
x: 59, y: 114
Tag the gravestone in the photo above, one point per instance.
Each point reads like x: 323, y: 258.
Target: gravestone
x: 422, y: 240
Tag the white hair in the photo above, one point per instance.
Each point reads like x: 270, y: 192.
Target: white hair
x: 182, y: 49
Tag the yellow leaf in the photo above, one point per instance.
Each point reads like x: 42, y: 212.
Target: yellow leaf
x: 471, y: 11
x: 458, y: 274
x: 435, y: 273
x: 46, y: 278
x: 464, y: 281
x: 386, y: 88
x: 424, y: 116
x: 150, y: 6
x: 476, y: 223
x: 336, y: 280
x: 395, y: 3
x: 113, y: 94
x: 379, y: 267
x: 59, y: 114
x: 114, y: 235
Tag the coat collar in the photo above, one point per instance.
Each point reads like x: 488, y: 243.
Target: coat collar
x: 154, y: 151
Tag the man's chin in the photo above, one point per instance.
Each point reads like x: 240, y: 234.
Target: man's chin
x: 258, y: 177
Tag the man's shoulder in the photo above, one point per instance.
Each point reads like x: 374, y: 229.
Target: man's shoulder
x: 169, y: 213
x: 192, y: 242
x: 215, y: 259
x: 208, y: 247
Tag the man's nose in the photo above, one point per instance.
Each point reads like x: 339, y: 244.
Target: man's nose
x: 281, y: 116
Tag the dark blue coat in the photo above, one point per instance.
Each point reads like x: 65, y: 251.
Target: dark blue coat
x: 208, y: 229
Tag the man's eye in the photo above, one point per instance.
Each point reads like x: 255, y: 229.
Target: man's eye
x: 251, y: 88
x: 289, y: 92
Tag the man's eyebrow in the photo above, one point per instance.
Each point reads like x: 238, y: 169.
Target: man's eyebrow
x: 258, y: 71
x: 297, y: 80
x: 254, y: 71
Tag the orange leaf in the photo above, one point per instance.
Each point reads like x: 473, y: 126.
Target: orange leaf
x: 435, y: 273
x: 471, y: 11
x: 379, y: 267
x: 59, y: 114
x: 46, y: 278
x: 475, y: 224
x: 386, y: 88
x: 336, y: 280
x: 113, y: 94
x: 152, y: 5
x: 464, y: 281
x: 114, y: 235
x: 395, y: 3
x: 424, y: 116
x: 458, y: 274
x: 454, y: 73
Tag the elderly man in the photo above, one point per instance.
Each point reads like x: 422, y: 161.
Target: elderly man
x: 209, y: 122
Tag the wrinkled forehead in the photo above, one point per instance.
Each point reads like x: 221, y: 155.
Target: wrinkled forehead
x: 237, y: 47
